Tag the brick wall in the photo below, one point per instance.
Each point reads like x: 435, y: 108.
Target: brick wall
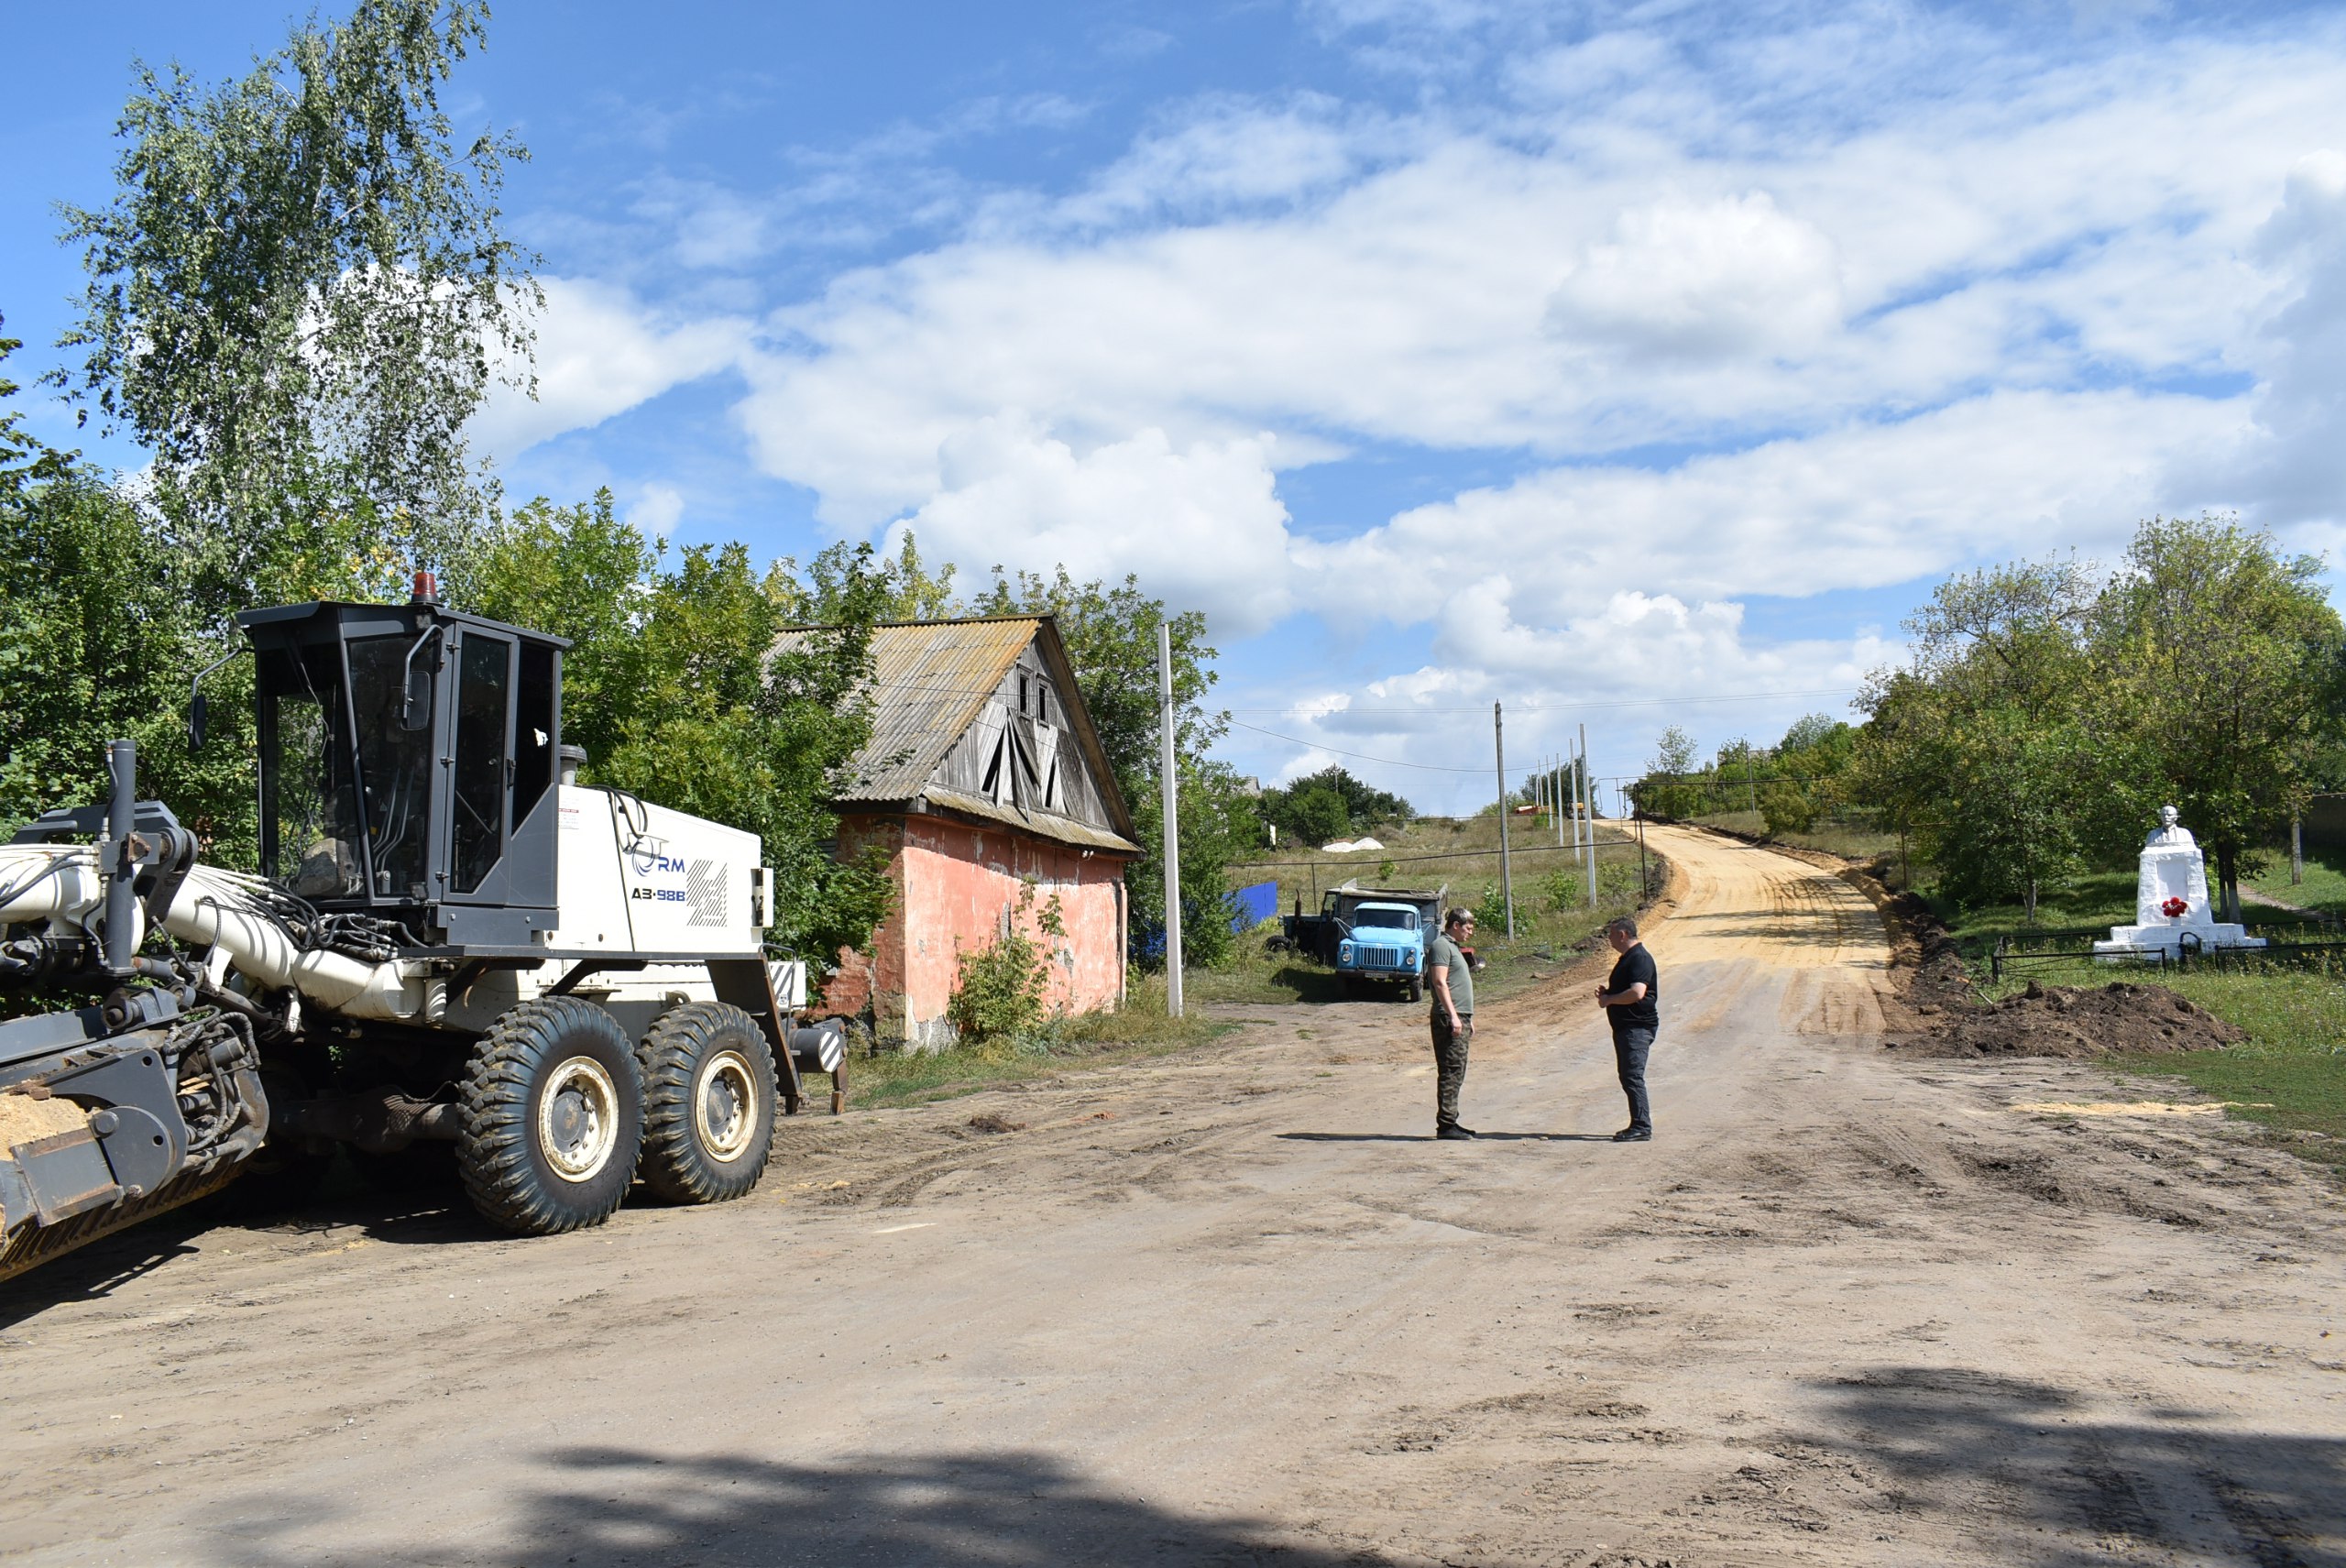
x: 956, y: 883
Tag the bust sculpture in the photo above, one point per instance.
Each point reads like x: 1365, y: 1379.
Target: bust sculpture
x: 2169, y: 832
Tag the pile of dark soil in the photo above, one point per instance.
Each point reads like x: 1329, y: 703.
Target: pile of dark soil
x: 1941, y: 982
x: 2118, y: 1019
x: 2122, y: 1018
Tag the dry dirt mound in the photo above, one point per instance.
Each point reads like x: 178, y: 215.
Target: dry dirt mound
x: 1948, y: 1019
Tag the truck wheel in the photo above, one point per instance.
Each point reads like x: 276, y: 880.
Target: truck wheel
x: 708, y: 1098
x: 1411, y: 991
x: 553, y: 1118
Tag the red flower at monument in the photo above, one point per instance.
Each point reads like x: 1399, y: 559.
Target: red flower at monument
x: 2173, y: 908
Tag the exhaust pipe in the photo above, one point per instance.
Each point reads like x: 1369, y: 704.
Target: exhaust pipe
x: 118, y: 862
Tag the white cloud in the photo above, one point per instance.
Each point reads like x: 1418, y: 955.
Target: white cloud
x: 2298, y: 464
x: 1701, y: 281
x: 1216, y: 157
x: 1863, y: 506
x: 1608, y: 287
x: 1201, y: 522
x: 600, y: 352
x: 656, y: 510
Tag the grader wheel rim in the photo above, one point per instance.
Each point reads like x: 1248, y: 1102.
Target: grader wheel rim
x: 579, y: 1119
x: 724, y: 1106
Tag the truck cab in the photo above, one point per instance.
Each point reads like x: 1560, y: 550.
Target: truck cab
x: 1372, y: 935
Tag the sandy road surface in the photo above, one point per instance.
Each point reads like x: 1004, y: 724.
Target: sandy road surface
x: 1237, y: 1309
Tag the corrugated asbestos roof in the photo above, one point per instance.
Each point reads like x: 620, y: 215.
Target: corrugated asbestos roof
x: 930, y: 681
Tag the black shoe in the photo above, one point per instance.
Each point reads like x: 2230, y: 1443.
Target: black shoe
x: 1634, y: 1135
x: 1454, y: 1132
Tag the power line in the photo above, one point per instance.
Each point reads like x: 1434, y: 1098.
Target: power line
x: 1300, y: 710
x: 1446, y: 855
x: 1355, y: 756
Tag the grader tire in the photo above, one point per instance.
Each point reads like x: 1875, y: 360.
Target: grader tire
x: 709, y: 1104
x: 553, y: 1118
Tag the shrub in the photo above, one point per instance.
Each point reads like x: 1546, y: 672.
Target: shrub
x: 999, y: 990
x: 1788, y: 808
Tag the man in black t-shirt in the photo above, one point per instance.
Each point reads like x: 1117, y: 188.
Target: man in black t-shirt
x: 1629, y: 998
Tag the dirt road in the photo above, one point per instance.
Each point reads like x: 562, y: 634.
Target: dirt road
x: 1237, y: 1307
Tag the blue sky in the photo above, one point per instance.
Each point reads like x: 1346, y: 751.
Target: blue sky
x: 1613, y: 361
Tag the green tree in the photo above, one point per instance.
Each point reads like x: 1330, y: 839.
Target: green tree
x: 1671, y: 789
x: 1316, y: 814
x: 1787, y: 808
x: 2222, y: 657
x: 1995, y: 748
x: 97, y: 642
x: 298, y: 298
x: 2018, y: 792
x: 1364, y: 806
x: 907, y: 590
x: 674, y: 689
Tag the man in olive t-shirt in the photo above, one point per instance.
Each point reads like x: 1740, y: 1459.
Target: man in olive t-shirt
x: 1627, y: 998
x: 1450, y: 975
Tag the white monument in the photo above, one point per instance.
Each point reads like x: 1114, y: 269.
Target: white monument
x: 2171, y: 899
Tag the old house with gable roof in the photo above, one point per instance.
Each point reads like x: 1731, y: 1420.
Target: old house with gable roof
x: 985, y: 784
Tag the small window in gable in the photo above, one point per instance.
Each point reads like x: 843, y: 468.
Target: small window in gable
x: 1021, y: 691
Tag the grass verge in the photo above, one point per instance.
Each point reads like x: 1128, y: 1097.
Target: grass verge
x: 2323, y: 889
x: 1141, y: 1029
x: 2288, y: 1076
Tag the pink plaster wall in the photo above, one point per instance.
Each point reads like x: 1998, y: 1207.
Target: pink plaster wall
x: 954, y: 880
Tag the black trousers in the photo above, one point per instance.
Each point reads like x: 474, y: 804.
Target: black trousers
x: 1449, y: 1066
x: 1629, y: 1049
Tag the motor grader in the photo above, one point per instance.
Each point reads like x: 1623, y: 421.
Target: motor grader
x: 449, y: 941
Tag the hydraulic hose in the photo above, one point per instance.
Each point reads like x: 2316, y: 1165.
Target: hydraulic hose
x: 225, y: 909
x: 40, y: 882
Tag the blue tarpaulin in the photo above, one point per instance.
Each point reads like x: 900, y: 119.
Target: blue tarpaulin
x: 1250, y: 906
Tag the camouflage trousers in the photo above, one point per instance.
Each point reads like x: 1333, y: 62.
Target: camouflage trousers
x: 1449, y: 1066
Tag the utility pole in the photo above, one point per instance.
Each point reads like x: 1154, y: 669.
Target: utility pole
x: 1168, y: 787
x: 1570, y: 769
x: 1588, y: 800
x: 1751, y: 776
x: 1557, y: 781
x: 1506, y: 867
x: 2297, y: 848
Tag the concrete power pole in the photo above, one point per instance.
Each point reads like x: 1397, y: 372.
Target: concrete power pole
x: 1168, y: 787
x: 1506, y: 867
x: 1556, y: 792
x: 1588, y: 801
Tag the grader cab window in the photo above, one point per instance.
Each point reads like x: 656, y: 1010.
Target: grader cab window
x: 394, y: 766
x: 309, y: 790
x: 484, y: 675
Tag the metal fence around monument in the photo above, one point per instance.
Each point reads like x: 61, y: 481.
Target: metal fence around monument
x: 2287, y: 949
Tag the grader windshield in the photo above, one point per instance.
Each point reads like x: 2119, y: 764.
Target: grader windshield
x: 334, y: 821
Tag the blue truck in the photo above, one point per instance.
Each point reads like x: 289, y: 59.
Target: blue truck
x: 1370, y: 935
